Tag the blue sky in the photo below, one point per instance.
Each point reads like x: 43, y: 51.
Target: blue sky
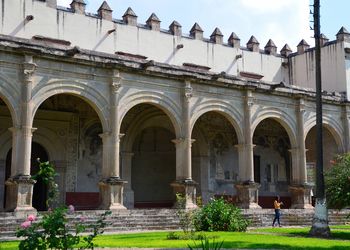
x: 284, y: 21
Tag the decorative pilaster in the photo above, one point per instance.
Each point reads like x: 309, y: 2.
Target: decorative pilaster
x: 299, y: 188
x: 184, y: 183
x: 187, y: 129
x: 20, y: 185
x: 247, y: 189
x: 111, y: 185
x: 346, y: 124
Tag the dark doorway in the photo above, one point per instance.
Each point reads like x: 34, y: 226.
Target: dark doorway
x: 40, y: 189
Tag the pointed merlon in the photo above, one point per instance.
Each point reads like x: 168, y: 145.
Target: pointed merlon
x: 234, y: 40
x: 175, y: 28
x: 130, y: 17
x: 253, y: 40
x: 79, y: 1
x: 153, y: 22
x: 323, y: 39
x: 302, y: 46
x: 105, y: 12
x: 196, y: 27
x: 286, y: 50
x: 216, y: 36
x: 303, y: 43
x: 153, y: 17
x: 105, y: 6
x: 129, y: 12
x: 217, y: 32
x: 271, y: 48
x: 253, y: 44
x: 78, y: 6
x: 196, y: 32
x: 270, y: 43
x: 343, y: 30
x: 343, y: 35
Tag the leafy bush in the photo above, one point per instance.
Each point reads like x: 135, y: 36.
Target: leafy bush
x: 337, y: 180
x: 52, y: 231
x: 219, y: 215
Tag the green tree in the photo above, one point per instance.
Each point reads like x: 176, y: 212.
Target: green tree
x: 337, y: 180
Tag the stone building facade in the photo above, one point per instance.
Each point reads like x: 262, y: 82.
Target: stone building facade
x: 131, y: 113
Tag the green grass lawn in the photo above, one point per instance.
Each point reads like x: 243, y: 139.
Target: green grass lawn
x: 267, y: 238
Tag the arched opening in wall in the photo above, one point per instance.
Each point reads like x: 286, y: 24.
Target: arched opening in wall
x: 330, y: 150
x: 69, y: 128
x: 40, y: 188
x: 272, y: 162
x: 6, y: 143
x: 215, y: 156
x: 148, y: 157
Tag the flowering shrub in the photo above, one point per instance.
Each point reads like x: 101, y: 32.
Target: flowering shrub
x: 52, y: 231
x: 337, y: 180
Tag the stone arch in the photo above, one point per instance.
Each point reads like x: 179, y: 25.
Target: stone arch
x: 223, y: 108
x: 148, y: 160
x: 10, y: 95
x: 163, y: 102
x: 142, y: 123
x: 49, y: 140
x: 332, y: 125
x: 287, y: 122
x: 80, y: 89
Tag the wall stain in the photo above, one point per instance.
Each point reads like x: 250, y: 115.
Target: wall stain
x: 2, y: 12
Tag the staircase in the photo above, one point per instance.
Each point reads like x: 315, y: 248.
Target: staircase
x: 165, y: 219
x: 126, y: 220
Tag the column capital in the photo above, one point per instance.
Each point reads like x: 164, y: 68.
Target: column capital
x: 300, y: 107
x: 29, y: 67
x: 188, y: 91
x: 181, y: 140
x: 249, y: 98
x: 116, y: 81
x: 27, y: 130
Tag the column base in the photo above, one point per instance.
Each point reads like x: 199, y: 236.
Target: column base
x: 187, y: 188
x: 247, y: 195
x: 111, y: 191
x: 301, y: 196
x: 19, y: 193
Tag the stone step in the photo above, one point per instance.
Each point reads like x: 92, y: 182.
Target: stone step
x: 166, y: 219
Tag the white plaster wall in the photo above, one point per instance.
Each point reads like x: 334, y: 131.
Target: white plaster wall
x: 158, y: 46
x: 333, y: 68
x: 347, y: 72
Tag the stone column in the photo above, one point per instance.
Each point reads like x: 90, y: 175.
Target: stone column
x: 247, y: 189
x: 111, y: 185
x: 184, y: 183
x: 300, y: 190
x: 20, y: 185
x: 346, y: 124
x: 126, y: 173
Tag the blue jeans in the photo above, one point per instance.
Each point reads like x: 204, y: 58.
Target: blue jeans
x: 277, y: 217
